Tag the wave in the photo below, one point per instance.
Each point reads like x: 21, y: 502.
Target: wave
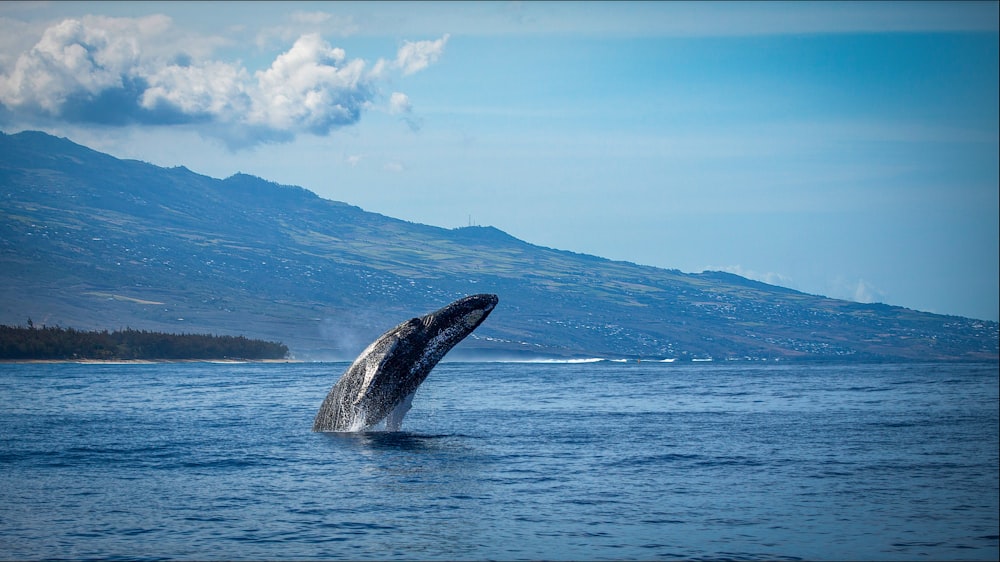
x: 580, y: 360
x: 557, y: 361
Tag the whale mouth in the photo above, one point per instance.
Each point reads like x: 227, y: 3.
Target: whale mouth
x: 482, y: 306
x: 485, y: 302
x: 475, y: 317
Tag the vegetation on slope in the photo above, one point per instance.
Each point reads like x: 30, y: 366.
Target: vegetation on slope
x: 55, y: 343
x: 88, y: 240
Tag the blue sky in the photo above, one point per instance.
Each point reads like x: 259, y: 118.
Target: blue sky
x: 844, y: 149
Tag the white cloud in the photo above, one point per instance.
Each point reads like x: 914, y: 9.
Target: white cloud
x: 858, y: 291
x: 74, y: 57
x: 770, y: 277
x: 415, y: 56
x: 310, y: 18
x: 213, y: 88
x: 866, y: 292
x: 841, y: 287
x: 134, y: 70
x: 311, y: 87
x: 378, y: 70
x: 399, y: 103
x: 302, y: 23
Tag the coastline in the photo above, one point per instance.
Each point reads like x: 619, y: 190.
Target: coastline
x: 144, y: 361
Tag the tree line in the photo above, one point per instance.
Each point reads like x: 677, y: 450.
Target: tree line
x: 55, y: 343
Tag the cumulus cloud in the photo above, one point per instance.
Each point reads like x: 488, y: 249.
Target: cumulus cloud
x: 311, y: 87
x: 209, y: 89
x: 119, y: 71
x: 415, y: 56
x: 73, y: 59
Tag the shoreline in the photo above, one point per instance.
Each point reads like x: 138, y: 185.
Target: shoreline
x: 143, y: 361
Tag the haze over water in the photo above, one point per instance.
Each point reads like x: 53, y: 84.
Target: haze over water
x: 503, y: 461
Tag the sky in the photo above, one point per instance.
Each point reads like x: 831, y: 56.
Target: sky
x: 842, y: 149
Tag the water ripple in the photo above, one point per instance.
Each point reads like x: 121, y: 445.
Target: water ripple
x: 503, y: 461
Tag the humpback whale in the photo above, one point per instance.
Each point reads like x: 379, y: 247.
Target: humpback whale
x: 381, y: 382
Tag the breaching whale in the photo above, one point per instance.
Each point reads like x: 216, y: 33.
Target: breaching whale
x: 380, y: 384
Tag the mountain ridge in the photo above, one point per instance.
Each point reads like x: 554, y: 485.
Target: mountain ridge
x: 244, y: 255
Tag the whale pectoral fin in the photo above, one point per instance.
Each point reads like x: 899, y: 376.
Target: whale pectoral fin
x: 372, y: 362
x: 386, y: 351
x: 394, y: 421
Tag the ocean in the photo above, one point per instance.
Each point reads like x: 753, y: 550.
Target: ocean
x: 598, y: 460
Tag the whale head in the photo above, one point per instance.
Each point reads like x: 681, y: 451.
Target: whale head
x: 428, y: 338
x: 450, y: 324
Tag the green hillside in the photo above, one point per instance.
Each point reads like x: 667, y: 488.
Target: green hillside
x: 93, y: 242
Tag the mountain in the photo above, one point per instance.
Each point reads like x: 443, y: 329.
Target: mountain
x: 94, y: 242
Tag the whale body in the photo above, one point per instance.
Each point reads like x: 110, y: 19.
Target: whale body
x: 381, y: 382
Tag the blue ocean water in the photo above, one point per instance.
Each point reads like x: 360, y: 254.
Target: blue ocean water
x: 503, y: 461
